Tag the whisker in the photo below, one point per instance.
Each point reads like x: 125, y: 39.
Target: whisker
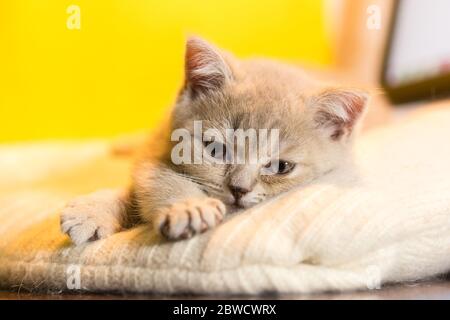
x: 194, y: 178
x: 209, y: 185
x: 201, y: 181
x: 213, y: 192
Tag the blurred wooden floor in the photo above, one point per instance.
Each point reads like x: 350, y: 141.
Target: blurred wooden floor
x: 426, y: 290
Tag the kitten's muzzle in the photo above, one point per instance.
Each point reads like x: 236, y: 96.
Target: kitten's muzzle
x: 238, y: 193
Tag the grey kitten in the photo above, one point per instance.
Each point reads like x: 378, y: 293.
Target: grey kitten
x: 315, y: 124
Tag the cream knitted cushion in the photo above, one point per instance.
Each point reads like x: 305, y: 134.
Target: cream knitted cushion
x: 392, y: 225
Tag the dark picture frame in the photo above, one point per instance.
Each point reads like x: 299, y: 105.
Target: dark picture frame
x: 424, y: 89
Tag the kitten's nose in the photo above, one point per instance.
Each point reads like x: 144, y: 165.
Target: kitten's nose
x: 238, y: 192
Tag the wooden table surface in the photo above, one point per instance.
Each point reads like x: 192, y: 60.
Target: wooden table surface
x: 424, y: 290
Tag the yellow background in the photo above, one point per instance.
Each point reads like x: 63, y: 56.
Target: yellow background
x: 123, y: 68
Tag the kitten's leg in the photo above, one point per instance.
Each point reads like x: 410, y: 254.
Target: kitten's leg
x: 95, y: 216
x: 174, y: 205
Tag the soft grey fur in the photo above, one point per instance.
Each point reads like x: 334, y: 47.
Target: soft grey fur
x: 316, y: 123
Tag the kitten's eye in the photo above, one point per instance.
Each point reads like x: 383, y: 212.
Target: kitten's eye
x: 215, y: 149
x: 279, y: 167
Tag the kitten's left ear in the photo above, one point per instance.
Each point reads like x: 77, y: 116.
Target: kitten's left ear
x: 339, y: 110
x: 206, y: 68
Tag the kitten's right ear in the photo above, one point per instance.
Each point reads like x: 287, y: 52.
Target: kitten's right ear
x: 205, y: 68
x: 338, y: 110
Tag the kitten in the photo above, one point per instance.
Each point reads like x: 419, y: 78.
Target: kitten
x: 315, y: 125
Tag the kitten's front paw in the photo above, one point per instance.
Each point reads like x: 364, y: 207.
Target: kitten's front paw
x: 183, y: 220
x: 92, y: 217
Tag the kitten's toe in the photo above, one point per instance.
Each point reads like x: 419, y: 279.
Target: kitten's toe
x: 89, y: 218
x: 174, y: 223
x: 185, y: 219
x: 83, y: 232
x: 178, y: 226
x: 83, y: 228
x: 212, y: 213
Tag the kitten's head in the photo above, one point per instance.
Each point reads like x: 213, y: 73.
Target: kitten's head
x: 315, y: 124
